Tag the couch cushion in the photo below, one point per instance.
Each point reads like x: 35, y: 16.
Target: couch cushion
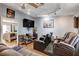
x: 70, y: 38
x: 10, y: 52
x: 2, y: 44
x: 42, y: 38
x: 74, y: 39
x: 2, y: 48
x: 66, y: 35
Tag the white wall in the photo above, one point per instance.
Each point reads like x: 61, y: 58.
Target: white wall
x: 18, y: 17
x: 61, y: 25
x: 64, y: 24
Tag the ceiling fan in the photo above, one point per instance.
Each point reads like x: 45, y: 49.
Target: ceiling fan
x: 23, y: 6
x: 35, y: 5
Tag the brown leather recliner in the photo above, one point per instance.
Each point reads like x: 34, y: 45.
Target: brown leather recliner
x: 41, y: 45
x: 67, y: 46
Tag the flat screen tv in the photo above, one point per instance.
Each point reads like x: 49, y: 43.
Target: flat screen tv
x: 28, y: 23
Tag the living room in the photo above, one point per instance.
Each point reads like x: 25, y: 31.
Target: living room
x: 46, y: 22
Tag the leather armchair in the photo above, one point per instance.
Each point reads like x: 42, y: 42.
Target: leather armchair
x: 66, y: 47
x: 42, y: 43
x: 66, y: 35
x: 39, y: 45
x: 63, y: 49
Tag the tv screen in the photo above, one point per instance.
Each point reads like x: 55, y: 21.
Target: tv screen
x: 31, y: 23
x: 28, y: 23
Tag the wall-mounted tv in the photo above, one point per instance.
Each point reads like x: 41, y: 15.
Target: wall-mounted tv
x: 28, y: 23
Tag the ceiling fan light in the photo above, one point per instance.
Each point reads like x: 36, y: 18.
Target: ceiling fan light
x: 28, y: 11
x: 24, y: 6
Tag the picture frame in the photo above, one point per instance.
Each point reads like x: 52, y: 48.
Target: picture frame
x: 10, y: 13
x: 48, y: 24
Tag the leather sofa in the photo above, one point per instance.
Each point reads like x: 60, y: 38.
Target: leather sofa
x: 16, y: 51
x: 6, y: 51
x: 66, y: 47
x: 42, y: 43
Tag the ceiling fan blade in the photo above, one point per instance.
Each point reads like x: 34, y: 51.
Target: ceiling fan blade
x: 36, y: 5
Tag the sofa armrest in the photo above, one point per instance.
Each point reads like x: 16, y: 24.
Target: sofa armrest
x: 40, y: 41
x: 68, y: 45
x: 55, y: 41
x: 63, y: 49
x: 10, y: 52
x: 39, y: 45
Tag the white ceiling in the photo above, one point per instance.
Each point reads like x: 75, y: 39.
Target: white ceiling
x: 53, y: 9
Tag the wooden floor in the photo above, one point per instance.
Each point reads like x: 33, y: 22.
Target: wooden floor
x: 29, y: 46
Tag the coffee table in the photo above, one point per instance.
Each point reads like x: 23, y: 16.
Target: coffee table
x: 25, y: 43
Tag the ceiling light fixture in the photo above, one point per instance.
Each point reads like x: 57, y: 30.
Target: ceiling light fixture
x: 55, y: 12
x: 24, y: 6
x: 52, y: 12
x: 28, y: 11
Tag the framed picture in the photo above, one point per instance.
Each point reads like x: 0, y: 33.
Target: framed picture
x: 48, y: 24
x: 10, y: 13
